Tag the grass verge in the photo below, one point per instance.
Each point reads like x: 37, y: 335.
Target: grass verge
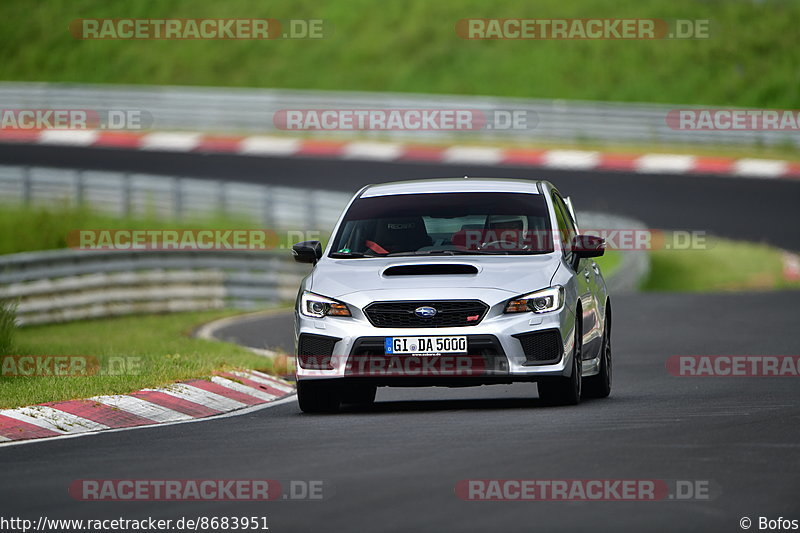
x: 146, y: 351
x: 47, y: 227
x: 747, y: 60
x: 725, y: 265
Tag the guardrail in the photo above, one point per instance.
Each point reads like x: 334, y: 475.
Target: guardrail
x: 173, y: 197
x: 213, y: 109
x: 63, y: 285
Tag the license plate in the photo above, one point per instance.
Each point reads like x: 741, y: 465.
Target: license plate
x: 425, y: 345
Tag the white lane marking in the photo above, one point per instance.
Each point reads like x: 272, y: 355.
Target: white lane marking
x: 242, y: 388
x: 263, y: 145
x: 666, y: 163
x: 53, y: 419
x: 372, y: 150
x: 260, y: 377
x: 760, y: 168
x: 200, y: 396
x: 141, y: 408
x: 571, y: 159
x: 244, y: 411
x: 170, y: 141
x: 473, y: 154
x: 69, y: 137
x: 4, y: 439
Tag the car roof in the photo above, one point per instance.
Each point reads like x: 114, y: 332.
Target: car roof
x: 441, y: 185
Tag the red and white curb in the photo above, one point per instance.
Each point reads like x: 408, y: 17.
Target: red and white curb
x: 267, y: 146
x: 791, y: 266
x: 186, y: 401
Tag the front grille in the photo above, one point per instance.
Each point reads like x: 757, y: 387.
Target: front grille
x: 541, y: 347
x: 314, y: 351
x: 449, y: 313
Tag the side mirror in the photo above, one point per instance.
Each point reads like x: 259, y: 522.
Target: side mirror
x: 307, y: 252
x: 588, y: 246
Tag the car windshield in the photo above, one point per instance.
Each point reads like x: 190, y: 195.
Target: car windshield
x: 445, y: 224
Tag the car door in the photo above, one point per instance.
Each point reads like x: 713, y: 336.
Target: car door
x: 584, y: 277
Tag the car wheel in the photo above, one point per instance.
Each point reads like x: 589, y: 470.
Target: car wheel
x: 359, y: 394
x: 599, y: 386
x: 566, y: 391
x: 320, y: 396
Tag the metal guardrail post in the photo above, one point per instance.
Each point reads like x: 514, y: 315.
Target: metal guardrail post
x: 126, y: 195
x: 27, y: 192
x: 79, y: 188
x: 312, y: 222
x: 177, y: 198
x: 268, y: 207
x: 222, y: 198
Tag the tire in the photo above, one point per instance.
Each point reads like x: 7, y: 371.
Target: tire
x: 359, y: 394
x: 566, y: 390
x: 599, y: 386
x: 318, y: 396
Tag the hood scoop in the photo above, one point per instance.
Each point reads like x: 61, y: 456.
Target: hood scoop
x: 434, y: 269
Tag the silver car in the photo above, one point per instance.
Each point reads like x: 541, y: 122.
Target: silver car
x: 453, y: 282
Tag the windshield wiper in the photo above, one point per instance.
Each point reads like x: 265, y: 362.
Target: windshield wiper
x: 446, y: 252
x: 348, y: 255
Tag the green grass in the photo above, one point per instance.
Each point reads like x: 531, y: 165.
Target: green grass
x: 156, y: 350
x: 46, y: 228
x: 609, y: 261
x: 725, y: 266
x: 411, y: 45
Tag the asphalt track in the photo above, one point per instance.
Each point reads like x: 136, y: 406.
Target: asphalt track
x: 394, y: 467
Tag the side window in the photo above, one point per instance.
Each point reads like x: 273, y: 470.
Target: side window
x: 566, y: 228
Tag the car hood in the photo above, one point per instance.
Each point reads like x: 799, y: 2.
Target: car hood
x: 515, y: 274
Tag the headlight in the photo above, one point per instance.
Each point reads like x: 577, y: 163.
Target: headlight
x: 318, y: 306
x: 542, y: 301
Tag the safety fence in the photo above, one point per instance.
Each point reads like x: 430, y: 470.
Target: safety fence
x: 243, y: 110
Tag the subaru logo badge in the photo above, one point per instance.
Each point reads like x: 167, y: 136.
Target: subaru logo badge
x: 425, y: 312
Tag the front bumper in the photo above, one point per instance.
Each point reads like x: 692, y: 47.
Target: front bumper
x: 353, y: 348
